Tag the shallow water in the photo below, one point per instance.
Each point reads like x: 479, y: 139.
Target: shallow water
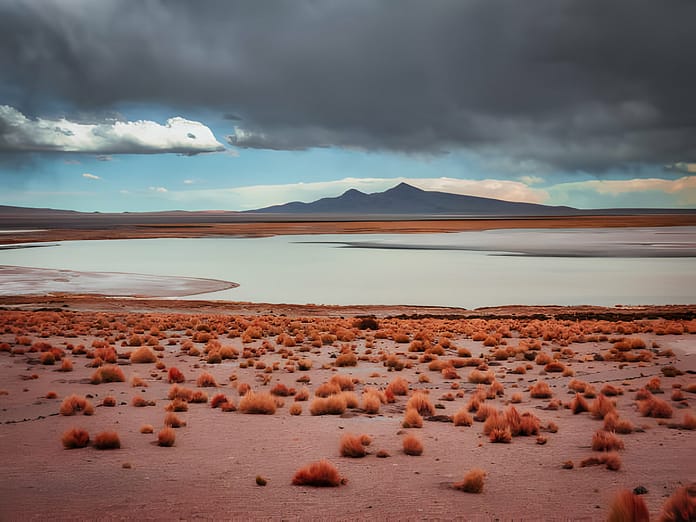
x: 463, y: 269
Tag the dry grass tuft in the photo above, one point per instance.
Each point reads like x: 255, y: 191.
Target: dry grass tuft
x: 206, y: 380
x: 174, y: 376
x: 143, y: 355
x: 472, y: 482
x: 412, y: 445
x: 108, y: 373
x: 611, y: 460
x: 412, y: 419
x: 421, y: 403
x: 601, y: 406
x: 75, y: 438
x: 332, y: 405
x: 261, y: 403
x: 295, y: 408
x: 173, y: 420
x: 579, y: 404
x: 479, y: 377
x: 654, y: 407
x: 74, y: 404
x: 627, y: 507
x: 351, y: 446
x: 540, y: 390
x: 681, y: 505
x: 107, y: 440
x: 606, y: 441
x: 147, y: 428
x: 462, y: 418
x: 166, y: 437
x: 318, y: 474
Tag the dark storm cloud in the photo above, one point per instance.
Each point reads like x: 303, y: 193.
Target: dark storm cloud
x: 569, y: 84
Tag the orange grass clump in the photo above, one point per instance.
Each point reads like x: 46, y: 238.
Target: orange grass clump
x: 611, y: 460
x: 173, y: 420
x: 295, y: 408
x: 74, y: 404
x: 398, y: 386
x: 217, y: 400
x: 654, y: 407
x: 318, y: 474
x: 540, y: 390
x: 261, y: 403
x: 206, y: 380
x: 601, y: 406
x: 147, y: 428
x: 412, y: 419
x: 472, y: 482
x: 421, y: 403
x: 352, y: 446
x: 166, y: 437
x: 332, y: 405
x: 628, y: 507
x: 681, y: 505
x: 479, y: 377
x: 412, y: 445
x: 606, y: 441
x: 462, y: 418
x: 107, y: 440
x: 579, y: 404
x: 174, y: 376
x: 143, y: 355
x: 108, y: 373
x: 75, y: 438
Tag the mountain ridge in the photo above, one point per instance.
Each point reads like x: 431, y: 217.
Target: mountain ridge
x: 407, y: 199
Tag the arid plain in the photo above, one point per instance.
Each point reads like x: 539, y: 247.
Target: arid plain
x: 555, y: 409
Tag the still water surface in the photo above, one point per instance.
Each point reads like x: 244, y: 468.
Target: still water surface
x: 468, y: 269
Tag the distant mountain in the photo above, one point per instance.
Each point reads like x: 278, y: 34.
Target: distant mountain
x: 405, y: 199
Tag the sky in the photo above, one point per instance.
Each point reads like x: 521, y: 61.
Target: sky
x: 146, y: 105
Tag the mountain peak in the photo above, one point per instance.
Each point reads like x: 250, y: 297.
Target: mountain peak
x: 353, y: 192
x: 404, y: 187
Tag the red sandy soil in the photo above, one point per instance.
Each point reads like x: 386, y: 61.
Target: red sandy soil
x: 211, y: 470
x: 174, y: 227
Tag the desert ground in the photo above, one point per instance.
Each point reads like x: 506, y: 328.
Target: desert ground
x: 559, y: 409
x: 136, y: 226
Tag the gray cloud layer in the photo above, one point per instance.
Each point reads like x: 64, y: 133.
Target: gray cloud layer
x: 568, y: 84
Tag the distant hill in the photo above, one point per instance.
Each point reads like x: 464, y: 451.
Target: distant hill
x: 405, y: 199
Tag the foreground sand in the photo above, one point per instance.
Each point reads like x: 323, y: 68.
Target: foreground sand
x: 210, y: 471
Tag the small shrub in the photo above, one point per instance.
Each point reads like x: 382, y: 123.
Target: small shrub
x: 147, y: 428
x: 166, y: 437
x: 412, y: 419
x: 654, y: 407
x: 606, y: 441
x: 173, y: 420
x: 681, y: 506
x: 472, y: 482
x: 351, y: 446
x: 107, y: 440
x: 421, y: 403
x: 295, y: 408
x: 107, y: 373
x: 628, y: 507
x: 206, y: 380
x: 412, y: 445
x: 332, y: 405
x: 75, y: 438
x: 142, y: 355
x: 261, y: 403
x: 540, y: 390
x: 317, y: 474
x: 462, y: 418
x: 74, y: 404
x: 174, y: 376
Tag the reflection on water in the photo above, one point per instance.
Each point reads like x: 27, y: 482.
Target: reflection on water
x: 318, y: 269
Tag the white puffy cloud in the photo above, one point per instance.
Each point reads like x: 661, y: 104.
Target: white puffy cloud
x: 90, y: 176
x: 179, y: 135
